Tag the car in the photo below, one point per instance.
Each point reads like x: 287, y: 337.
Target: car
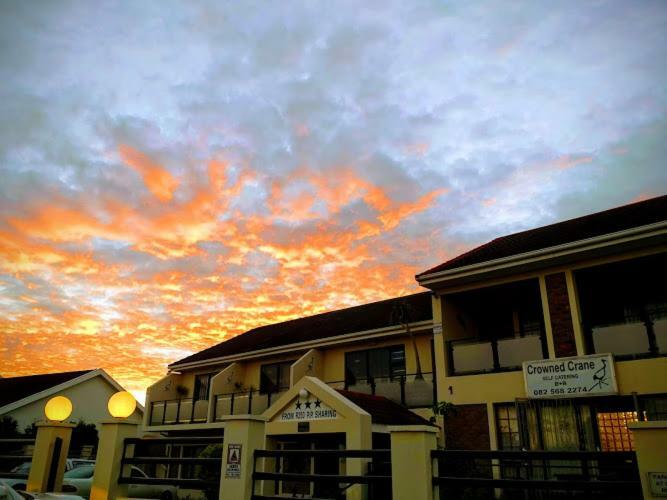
x: 9, y: 493
x: 24, y: 468
x: 80, y: 481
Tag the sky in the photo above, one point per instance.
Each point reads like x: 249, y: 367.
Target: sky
x: 175, y: 173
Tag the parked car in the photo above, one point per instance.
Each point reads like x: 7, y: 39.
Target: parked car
x: 24, y: 468
x: 9, y: 493
x: 80, y: 481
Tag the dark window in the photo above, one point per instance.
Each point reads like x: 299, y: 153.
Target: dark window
x: 655, y: 407
x: 274, y: 377
x: 384, y: 362
x: 202, y: 386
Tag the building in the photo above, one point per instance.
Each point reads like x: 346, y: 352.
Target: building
x: 555, y: 338
x: 24, y: 398
x: 552, y: 338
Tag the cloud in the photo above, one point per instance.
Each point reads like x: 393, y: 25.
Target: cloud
x: 169, y: 183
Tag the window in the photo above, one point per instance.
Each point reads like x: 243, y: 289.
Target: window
x: 274, y: 377
x: 614, y: 432
x: 384, y: 362
x: 655, y: 408
x: 202, y: 386
x: 507, y: 422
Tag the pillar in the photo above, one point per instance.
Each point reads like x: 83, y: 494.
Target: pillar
x: 650, y: 446
x: 358, y: 437
x: 109, y: 453
x: 45, y: 462
x: 411, y: 464
x: 243, y: 435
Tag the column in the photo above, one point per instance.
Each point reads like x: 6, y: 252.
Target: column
x: 109, y: 453
x: 49, y: 456
x: 243, y: 435
x: 411, y: 464
x: 650, y: 446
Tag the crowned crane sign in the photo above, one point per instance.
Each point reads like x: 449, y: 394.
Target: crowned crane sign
x: 579, y: 376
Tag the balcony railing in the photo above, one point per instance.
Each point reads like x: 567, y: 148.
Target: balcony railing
x: 179, y: 411
x: 243, y: 403
x: 471, y: 356
x: 408, y: 390
x: 632, y: 340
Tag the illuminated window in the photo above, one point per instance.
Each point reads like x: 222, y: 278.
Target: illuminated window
x: 614, y: 432
x: 508, y: 427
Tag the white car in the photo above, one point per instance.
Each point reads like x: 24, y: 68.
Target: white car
x: 24, y: 468
x: 9, y: 493
x: 80, y: 481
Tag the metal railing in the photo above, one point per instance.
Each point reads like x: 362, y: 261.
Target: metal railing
x: 462, y: 473
x: 285, y: 480
x: 141, y: 466
x: 250, y: 402
x: 178, y: 411
x: 411, y: 390
x: 634, y: 339
x: 14, y: 453
x: 469, y: 356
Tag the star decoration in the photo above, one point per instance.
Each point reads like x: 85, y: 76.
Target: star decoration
x: 307, y: 404
x: 318, y: 403
x: 298, y: 405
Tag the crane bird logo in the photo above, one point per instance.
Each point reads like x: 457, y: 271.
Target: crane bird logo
x: 600, y: 377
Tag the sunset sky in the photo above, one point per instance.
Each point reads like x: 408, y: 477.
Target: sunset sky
x: 175, y: 173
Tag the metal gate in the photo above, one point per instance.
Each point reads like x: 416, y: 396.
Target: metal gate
x: 321, y: 486
x: 536, y: 474
x: 177, y: 462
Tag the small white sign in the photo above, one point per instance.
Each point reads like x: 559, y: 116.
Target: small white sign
x: 570, y: 377
x: 233, y: 469
x: 302, y: 410
x: 658, y: 482
x: 437, y: 329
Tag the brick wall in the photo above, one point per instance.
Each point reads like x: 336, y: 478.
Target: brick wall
x: 468, y: 429
x: 561, y: 315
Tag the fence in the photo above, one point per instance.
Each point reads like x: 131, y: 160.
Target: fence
x: 536, y: 474
x: 289, y: 476
x: 185, y: 462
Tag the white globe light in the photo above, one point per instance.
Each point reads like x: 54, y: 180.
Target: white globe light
x: 122, y: 405
x: 58, y: 408
x: 303, y: 393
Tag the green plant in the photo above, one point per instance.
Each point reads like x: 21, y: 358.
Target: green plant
x: 181, y: 390
x: 9, y: 427
x: 444, y: 409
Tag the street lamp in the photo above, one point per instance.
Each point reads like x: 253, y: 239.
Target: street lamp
x: 58, y: 409
x: 122, y: 404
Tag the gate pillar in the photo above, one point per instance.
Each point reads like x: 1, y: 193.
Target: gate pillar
x: 411, y: 464
x: 243, y: 435
x: 109, y: 454
x: 650, y: 445
x: 49, y: 456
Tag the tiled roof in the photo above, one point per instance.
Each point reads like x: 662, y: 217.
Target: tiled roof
x: 320, y: 326
x: 16, y: 388
x: 384, y: 411
x: 589, y: 226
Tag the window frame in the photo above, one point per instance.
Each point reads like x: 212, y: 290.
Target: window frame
x: 280, y: 366
x: 394, y: 372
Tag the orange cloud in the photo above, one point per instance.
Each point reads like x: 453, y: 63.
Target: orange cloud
x: 158, y: 180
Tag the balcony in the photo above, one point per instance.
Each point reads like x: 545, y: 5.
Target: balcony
x: 473, y: 355
x: 242, y: 403
x: 409, y: 390
x: 635, y: 339
x: 178, y: 411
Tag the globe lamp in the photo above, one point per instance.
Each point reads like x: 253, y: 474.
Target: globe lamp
x: 58, y: 408
x: 122, y: 405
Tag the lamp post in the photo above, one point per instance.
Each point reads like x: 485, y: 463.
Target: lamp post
x: 51, y: 446
x: 105, y: 486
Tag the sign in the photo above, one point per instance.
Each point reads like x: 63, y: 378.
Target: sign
x: 658, y: 483
x: 301, y: 410
x: 437, y: 329
x: 570, y: 377
x: 303, y: 427
x: 233, y: 469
